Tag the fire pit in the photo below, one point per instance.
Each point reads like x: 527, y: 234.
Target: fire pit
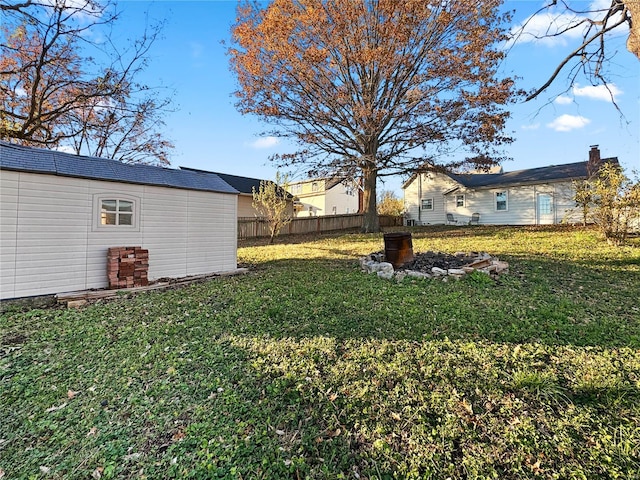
x: 435, y: 265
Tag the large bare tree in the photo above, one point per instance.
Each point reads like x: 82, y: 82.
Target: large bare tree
x: 60, y: 87
x: 595, y: 23
x: 375, y: 87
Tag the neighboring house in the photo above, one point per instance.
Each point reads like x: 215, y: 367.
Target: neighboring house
x: 59, y: 213
x: 526, y: 197
x: 246, y: 186
x: 325, y: 196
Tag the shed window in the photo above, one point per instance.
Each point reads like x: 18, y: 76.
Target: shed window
x: 459, y: 201
x: 501, y: 201
x: 427, y: 204
x: 115, y: 211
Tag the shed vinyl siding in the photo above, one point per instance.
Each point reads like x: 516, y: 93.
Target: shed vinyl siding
x: 8, y: 231
x: 53, y: 219
x: 49, y: 234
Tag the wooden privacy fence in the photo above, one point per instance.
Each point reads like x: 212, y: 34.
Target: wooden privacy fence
x: 251, y: 227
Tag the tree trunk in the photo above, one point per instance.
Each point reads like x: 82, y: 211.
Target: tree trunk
x: 633, y: 42
x: 371, y: 222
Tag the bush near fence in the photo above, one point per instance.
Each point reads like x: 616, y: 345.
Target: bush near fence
x: 252, y: 227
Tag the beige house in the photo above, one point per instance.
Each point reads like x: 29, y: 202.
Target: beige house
x: 325, y: 196
x: 525, y: 197
x: 246, y: 186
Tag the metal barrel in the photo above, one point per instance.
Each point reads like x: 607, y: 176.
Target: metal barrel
x: 398, y: 248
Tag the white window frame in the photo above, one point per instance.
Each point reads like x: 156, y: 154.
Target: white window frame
x: 118, y: 197
x: 464, y: 201
x: 315, y: 187
x: 506, y: 201
x: 422, y: 204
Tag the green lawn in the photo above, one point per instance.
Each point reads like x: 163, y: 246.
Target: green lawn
x: 308, y: 368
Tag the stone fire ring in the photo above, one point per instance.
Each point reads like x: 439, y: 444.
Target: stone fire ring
x: 435, y: 265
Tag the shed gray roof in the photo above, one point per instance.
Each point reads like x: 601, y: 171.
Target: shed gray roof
x: 53, y: 162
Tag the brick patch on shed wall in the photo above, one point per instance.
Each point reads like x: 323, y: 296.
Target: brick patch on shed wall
x: 127, y: 267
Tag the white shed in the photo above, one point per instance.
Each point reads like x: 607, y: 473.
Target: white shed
x: 60, y: 213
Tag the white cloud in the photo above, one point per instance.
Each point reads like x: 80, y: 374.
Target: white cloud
x: 65, y: 149
x: 566, y: 123
x: 531, y: 126
x: 265, y: 142
x: 599, y: 92
x: 563, y: 100
x: 81, y: 9
x: 556, y: 25
x: 540, y: 29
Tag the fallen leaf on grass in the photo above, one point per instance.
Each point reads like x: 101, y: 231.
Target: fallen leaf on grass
x: 395, y: 416
x: 132, y: 456
x: 97, y: 473
x: 53, y: 409
x: 93, y: 431
x: 71, y: 394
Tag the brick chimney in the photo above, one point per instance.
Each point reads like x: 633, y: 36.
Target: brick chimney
x: 594, y: 160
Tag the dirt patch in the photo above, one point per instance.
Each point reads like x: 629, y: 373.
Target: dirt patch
x: 424, y: 262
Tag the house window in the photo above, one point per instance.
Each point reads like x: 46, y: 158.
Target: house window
x: 459, y: 201
x: 295, y: 189
x: 115, y: 211
x: 314, y: 187
x: 501, y: 201
x: 334, y: 210
x: 427, y: 204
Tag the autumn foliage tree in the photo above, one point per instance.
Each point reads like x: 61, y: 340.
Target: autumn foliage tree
x: 375, y: 87
x: 389, y: 204
x: 59, y: 87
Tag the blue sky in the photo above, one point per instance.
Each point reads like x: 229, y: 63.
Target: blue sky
x: 210, y: 134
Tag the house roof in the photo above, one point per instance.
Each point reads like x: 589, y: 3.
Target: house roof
x: 244, y: 185
x: 552, y: 173
x: 37, y: 160
x: 330, y: 182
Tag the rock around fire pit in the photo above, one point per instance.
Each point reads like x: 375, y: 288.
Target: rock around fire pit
x: 435, y: 265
